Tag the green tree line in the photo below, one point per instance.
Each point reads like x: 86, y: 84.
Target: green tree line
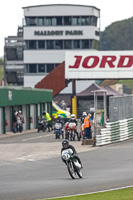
x: 117, y: 36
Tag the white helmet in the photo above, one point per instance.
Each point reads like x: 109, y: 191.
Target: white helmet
x: 84, y: 114
x: 72, y: 116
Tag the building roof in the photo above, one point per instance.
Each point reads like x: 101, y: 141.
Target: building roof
x: 90, y: 91
x: 61, y: 5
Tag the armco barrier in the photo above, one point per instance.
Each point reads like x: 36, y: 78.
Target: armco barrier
x: 115, y: 132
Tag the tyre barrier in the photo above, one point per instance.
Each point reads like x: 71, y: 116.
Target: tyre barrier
x: 115, y: 132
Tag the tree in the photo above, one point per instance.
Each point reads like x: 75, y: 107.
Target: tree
x: 117, y: 36
x: 1, y: 61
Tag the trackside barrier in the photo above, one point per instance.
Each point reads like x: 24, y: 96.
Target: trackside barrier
x: 115, y: 132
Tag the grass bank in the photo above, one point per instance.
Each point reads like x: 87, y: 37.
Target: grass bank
x: 122, y: 194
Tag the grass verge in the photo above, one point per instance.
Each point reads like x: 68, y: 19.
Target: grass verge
x: 122, y: 194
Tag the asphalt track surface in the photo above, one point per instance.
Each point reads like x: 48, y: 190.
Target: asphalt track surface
x: 31, y: 168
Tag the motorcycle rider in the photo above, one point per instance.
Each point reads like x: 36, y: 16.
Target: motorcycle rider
x: 66, y: 145
x: 59, y: 120
x: 45, y: 115
x: 73, y: 120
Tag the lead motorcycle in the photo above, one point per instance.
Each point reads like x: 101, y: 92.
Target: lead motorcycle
x: 72, y: 131
x: 58, y: 130
x: 73, y: 166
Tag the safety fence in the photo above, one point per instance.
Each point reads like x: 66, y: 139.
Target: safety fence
x: 115, y: 132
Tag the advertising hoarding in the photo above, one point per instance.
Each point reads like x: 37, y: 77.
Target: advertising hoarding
x: 98, y: 64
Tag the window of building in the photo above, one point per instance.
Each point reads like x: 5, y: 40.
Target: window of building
x: 58, y: 44
x: 50, y: 44
x: 49, y: 21
x: 67, y: 21
x: 50, y: 67
x: 41, y: 68
x: 94, y: 21
x: 32, y: 44
x: 31, y: 21
x: 68, y: 44
x: 27, y: 69
x: 32, y: 68
x: 76, y: 44
x: 41, y: 44
x: 55, y: 65
x: 59, y: 21
x: 85, y: 20
x: 76, y: 21
x: 85, y: 44
x: 40, y: 21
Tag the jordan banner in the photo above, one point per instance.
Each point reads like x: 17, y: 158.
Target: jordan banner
x: 98, y: 64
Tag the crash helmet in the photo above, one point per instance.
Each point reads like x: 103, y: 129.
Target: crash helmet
x: 65, y: 143
x: 84, y: 114
x: 73, y: 116
x: 44, y: 112
x: 59, y: 116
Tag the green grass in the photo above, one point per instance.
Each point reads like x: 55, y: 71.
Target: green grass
x: 123, y: 194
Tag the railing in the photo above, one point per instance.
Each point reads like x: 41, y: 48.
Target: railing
x: 115, y: 132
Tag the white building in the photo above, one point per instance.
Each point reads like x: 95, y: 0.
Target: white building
x: 50, y: 30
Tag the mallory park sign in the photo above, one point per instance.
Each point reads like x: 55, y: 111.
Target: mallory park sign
x: 53, y: 33
x: 99, y: 64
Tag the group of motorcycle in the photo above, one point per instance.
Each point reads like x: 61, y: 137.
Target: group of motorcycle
x: 67, y: 131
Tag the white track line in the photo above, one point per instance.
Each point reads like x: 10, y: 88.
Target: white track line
x: 35, y: 138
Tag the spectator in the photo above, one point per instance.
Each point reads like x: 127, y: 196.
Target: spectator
x: 14, y: 122
x: 87, y: 127
x: 21, y: 121
x: 63, y: 105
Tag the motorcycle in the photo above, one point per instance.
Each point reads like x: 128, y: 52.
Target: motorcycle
x: 73, y: 166
x: 42, y: 125
x: 72, y: 131
x: 58, y: 130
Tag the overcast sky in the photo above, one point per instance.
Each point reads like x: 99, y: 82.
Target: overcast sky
x: 11, y: 13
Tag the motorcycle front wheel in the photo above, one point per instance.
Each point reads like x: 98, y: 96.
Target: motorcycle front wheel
x: 79, y: 172
x: 71, y: 170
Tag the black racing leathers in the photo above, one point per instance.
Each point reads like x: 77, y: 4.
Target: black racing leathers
x: 75, y: 155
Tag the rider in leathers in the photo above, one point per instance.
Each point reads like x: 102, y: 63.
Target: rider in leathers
x: 66, y: 145
x: 59, y: 120
x: 73, y: 120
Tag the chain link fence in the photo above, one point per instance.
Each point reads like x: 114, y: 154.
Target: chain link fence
x: 120, y: 108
